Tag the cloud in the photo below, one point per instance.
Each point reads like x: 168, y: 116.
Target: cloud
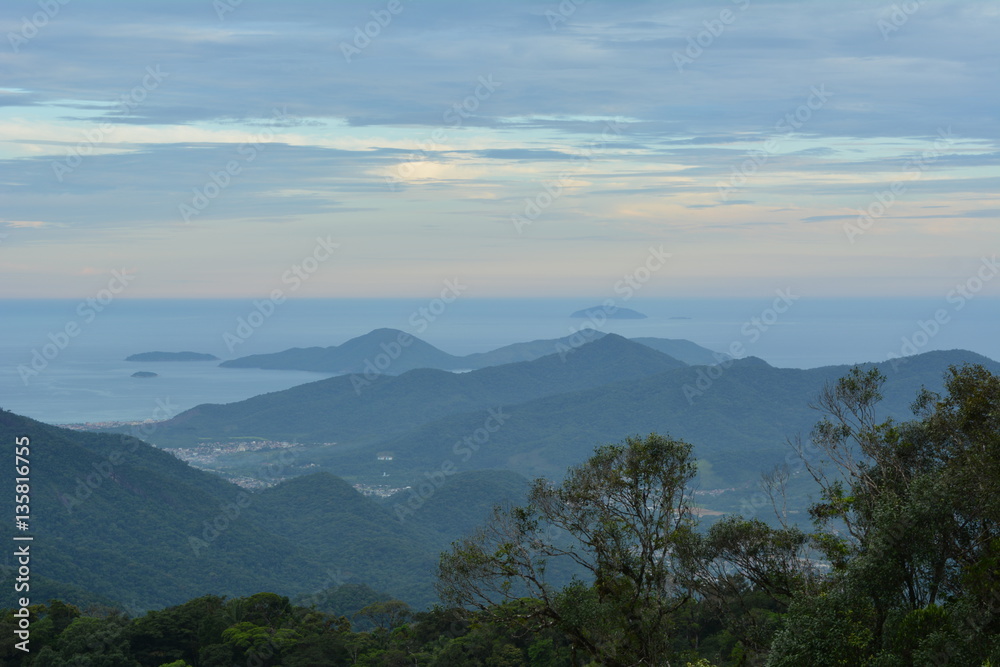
x: 402, y: 140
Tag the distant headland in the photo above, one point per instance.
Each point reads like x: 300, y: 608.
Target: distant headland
x: 145, y: 374
x: 172, y: 356
x: 610, y: 313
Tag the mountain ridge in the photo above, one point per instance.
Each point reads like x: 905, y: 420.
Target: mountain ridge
x: 393, y: 352
x: 351, y: 408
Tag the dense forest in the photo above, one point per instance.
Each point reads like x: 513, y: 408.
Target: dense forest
x: 901, y: 567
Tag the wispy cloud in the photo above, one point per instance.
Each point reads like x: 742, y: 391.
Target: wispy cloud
x: 405, y: 112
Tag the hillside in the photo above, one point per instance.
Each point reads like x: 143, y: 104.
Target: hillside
x: 116, y: 520
x: 684, y: 350
x: 115, y: 516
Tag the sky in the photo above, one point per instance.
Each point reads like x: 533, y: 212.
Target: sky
x: 231, y: 148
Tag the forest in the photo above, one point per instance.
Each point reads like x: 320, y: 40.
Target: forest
x: 900, y: 567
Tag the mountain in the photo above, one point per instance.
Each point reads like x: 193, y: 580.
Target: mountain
x: 115, y: 519
x: 357, y: 538
x: 387, y: 351
x: 690, y: 353
x: 460, y: 505
x: 353, y: 410
x: 528, y: 351
x: 393, y: 352
x: 738, y: 416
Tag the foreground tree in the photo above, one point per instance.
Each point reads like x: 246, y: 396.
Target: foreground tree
x: 623, y: 519
x: 910, y: 514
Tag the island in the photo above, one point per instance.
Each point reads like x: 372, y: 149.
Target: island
x: 610, y: 312
x: 172, y: 356
x: 145, y: 374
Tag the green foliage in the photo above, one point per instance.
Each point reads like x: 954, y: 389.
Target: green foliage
x: 826, y: 630
x: 622, y: 514
x: 916, y: 578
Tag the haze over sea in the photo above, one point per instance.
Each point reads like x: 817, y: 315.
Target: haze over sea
x: 89, y: 381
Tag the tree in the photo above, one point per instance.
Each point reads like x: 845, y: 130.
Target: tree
x: 385, y: 616
x: 746, y: 573
x: 910, y: 521
x: 623, y: 519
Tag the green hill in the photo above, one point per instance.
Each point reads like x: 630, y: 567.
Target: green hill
x: 460, y: 504
x: 355, y: 537
x: 116, y: 520
x: 114, y: 516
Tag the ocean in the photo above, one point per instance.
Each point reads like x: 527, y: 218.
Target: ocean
x: 62, y: 361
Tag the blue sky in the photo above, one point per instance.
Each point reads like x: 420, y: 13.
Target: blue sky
x: 524, y: 148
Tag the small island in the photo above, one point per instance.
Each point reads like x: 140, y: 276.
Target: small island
x: 612, y: 313
x: 172, y: 356
x: 145, y: 374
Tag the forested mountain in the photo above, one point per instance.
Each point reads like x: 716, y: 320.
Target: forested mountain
x: 739, y: 414
x: 124, y: 521
x: 116, y: 520
x: 899, y: 567
x: 738, y: 422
